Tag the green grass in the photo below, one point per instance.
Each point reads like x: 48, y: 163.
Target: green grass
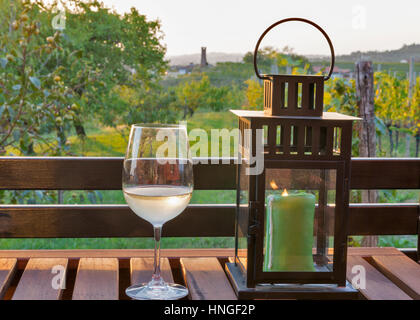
x: 212, y: 120
x: 106, y: 143
x: 110, y: 142
x: 115, y: 243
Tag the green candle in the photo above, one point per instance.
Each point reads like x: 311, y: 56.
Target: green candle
x: 289, y: 232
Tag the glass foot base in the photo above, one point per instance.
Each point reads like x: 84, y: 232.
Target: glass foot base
x: 166, y: 291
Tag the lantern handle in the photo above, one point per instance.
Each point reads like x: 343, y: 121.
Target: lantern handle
x: 300, y: 20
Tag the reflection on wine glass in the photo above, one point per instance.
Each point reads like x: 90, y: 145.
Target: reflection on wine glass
x: 157, y: 185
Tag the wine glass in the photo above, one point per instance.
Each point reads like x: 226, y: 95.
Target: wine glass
x: 157, y: 185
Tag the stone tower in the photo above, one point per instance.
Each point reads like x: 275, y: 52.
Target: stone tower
x: 203, y: 57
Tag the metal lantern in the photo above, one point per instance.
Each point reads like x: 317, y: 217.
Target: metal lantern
x: 291, y: 223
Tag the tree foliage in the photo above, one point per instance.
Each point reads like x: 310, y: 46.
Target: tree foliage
x: 195, y: 94
x: 53, y: 81
x: 395, y: 109
x: 254, y: 95
x: 108, y: 69
x: 284, y: 59
x: 114, y: 50
x: 34, y: 101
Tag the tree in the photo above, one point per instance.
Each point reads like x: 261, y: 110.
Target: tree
x: 51, y: 82
x: 391, y: 103
x: 33, y: 99
x: 414, y: 116
x: 193, y: 94
x: 144, y: 105
x: 230, y: 74
x: 254, y: 95
x: 284, y: 59
x: 112, y: 50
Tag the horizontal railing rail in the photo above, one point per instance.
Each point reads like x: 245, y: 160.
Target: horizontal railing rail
x: 91, y: 173
x: 89, y: 221
x: 92, y: 221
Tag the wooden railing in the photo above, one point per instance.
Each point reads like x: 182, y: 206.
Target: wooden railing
x: 85, y: 221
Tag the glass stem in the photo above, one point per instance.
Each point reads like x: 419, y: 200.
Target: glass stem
x: 156, y: 273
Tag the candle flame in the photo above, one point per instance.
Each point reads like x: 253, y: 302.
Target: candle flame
x: 273, y: 185
x: 285, y: 193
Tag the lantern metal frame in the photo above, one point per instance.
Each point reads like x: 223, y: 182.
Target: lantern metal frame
x: 308, y: 139
x: 312, y: 85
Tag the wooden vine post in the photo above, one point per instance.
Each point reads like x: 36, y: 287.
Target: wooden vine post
x: 367, y: 131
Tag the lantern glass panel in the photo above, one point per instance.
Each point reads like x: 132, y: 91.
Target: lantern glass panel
x: 299, y: 219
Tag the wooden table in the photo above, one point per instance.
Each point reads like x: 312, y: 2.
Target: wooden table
x: 104, y: 274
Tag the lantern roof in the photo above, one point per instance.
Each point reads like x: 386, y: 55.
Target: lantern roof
x: 325, y: 116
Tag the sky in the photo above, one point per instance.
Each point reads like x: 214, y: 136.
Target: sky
x: 234, y: 26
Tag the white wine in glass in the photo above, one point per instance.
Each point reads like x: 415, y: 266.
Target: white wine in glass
x: 157, y: 185
x: 157, y: 204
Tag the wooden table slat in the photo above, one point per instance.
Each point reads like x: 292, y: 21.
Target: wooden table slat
x: 403, y: 271
x: 97, y: 279
x: 389, y: 273
x: 142, y: 270
x: 38, y: 277
x: 114, y: 253
x: 370, y: 251
x: 7, y: 270
x: 378, y: 287
x: 147, y: 253
x: 206, y: 279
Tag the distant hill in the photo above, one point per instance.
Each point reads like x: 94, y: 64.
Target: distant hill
x: 396, y: 56
x: 404, y: 53
x: 212, y: 58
